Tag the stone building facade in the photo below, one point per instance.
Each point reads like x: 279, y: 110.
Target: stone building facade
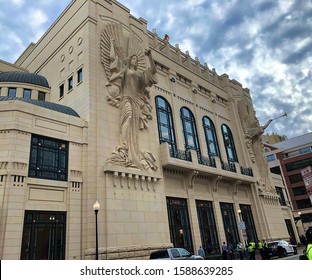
x: 169, y: 148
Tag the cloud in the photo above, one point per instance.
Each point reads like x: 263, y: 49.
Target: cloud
x: 263, y: 44
x: 36, y: 20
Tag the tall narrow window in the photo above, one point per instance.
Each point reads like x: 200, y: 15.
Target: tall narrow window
x: 207, y: 227
x: 229, y: 222
x: 189, y: 130
x: 79, y: 75
x: 211, y: 137
x: 61, y: 90
x: 165, y: 122
x: 229, y: 144
x: 247, y: 218
x: 70, y: 83
x: 27, y: 93
x: 12, y: 92
x: 281, y: 197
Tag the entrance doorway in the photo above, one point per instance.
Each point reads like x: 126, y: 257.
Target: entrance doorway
x: 179, y: 224
x: 44, y: 235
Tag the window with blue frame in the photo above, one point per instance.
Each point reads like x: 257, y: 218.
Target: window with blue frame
x: 229, y: 144
x: 189, y: 130
x: 12, y: 92
x: 211, y: 137
x: 27, y: 93
x: 165, y: 122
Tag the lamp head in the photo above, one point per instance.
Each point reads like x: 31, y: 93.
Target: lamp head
x: 96, y: 206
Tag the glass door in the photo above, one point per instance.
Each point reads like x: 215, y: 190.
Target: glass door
x: 43, y: 236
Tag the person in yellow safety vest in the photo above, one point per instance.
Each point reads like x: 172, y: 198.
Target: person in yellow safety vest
x: 265, y: 249
x: 309, y: 243
x: 261, y: 249
x: 252, y: 250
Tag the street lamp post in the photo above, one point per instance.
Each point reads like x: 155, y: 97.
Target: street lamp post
x: 96, y: 208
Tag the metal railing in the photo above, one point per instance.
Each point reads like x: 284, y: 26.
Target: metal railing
x: 180, y: 154
x: 208, y: 161
x: 228, y: 166
x: 246, y: 171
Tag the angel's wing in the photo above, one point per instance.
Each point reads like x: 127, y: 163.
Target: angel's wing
x: 112, y: 34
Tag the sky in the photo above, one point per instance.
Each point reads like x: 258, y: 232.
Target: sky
x: 266, y: 45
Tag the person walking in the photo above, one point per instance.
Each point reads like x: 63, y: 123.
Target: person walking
x: 261, y: 249
x: 265, y: 250
x: 201, y: 252
x: 240, y: 248
x: 252, y: 251
x: 224, y: 251
x: 231, y: 251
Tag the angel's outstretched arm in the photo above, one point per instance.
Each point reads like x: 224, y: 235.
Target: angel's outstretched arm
x: 152, y: 63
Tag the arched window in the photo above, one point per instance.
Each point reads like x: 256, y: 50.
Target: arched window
x: 189, y: 130
x: 211, y: 137
x: 165, y: 123
x: 229, y: 143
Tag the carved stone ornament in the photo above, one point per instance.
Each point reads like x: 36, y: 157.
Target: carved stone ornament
x: 253, y: 136
x: 128, y: 86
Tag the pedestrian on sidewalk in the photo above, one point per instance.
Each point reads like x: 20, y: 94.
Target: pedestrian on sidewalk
x: 261, y: 250
x: 309, y: 243
x: 252, y: 250
x: 231, y: 251
x: 201, y: 252
x: 240, y: 248
x: 224, y: 251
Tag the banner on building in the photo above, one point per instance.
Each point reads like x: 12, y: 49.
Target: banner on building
x: 307, y: 179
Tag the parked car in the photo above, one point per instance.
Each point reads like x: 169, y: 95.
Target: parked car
x: 280, y: 248
x: 174, y: 254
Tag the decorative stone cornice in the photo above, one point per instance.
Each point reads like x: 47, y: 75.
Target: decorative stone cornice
x: 128, y: 178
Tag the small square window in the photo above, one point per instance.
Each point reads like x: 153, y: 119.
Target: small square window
x: 70, y: 83
x: 12, y: 92
x: 41, y: 95
x: 61, y: 90
x: 27, y: 93
x: 79, y: 75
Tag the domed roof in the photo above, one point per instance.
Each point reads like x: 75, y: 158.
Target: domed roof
x: 24, y: 77
x: 45, y: 104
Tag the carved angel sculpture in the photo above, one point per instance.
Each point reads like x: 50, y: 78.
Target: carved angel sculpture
x: 128, y: 88
x: 253, y: 136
